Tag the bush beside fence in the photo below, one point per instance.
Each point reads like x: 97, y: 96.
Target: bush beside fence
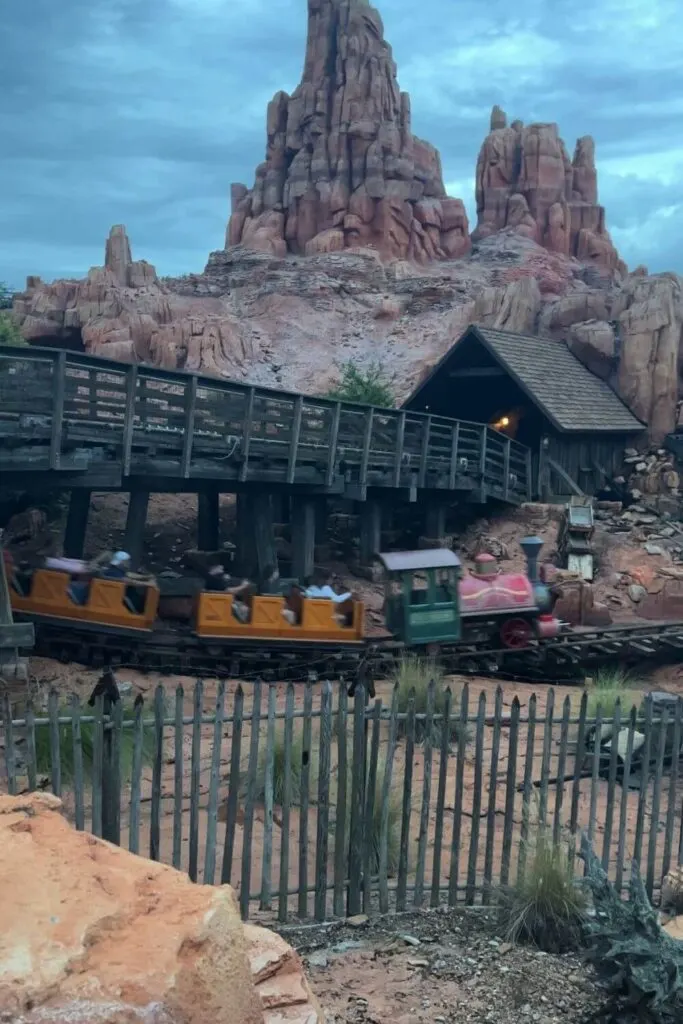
x: 313, y: 804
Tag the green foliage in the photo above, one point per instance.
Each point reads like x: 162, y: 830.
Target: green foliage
x: 9, y: 330
x: 545, y: 907
x: 66, y: 747
x: 609, y: 686
x: 413, y: 676
x: 370, y: 386
x: 5, y: 296
x: 393, y: 821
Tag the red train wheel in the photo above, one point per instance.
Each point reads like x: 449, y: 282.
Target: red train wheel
x: 516, y: 633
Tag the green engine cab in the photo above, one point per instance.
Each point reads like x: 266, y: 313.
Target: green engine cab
x: 421, y: 601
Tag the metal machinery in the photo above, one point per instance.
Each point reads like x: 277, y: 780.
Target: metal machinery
x: 574, y: 541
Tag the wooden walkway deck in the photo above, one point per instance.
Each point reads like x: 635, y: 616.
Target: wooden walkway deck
x: 75, y: 420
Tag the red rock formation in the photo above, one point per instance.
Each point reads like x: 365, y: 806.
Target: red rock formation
x: 526, y: 181
x: 342, y: 166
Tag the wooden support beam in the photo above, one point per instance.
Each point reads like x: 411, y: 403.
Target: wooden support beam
x: 264, y: 535
x: 76, y: 523
x: 303, y: 536
x: 334, y: 439
x: 398, y: 451
x: 370, y: 531
x: 134, y: 533
x: 435, y: 520
x: 506, y: 469
x: 453, y: 469
x: 564, y: 476
x: 129, y: 421
x: 478, y: 371
x: 188, y: 437
x: 58, y: 387
x: 245, y: 540
x: 208, y: 520
x: 424, y: 451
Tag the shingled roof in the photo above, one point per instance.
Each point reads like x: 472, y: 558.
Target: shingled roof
x: 566, y: 391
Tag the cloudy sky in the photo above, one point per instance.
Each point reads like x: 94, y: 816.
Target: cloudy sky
x: 144, y: 111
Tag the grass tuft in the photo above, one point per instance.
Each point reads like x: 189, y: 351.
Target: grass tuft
x: 545, y: 907
x: 279, y: 771
x: 609, y: 686
x: 393, y: 822
x: 66, y: 746
x: 413, y: 676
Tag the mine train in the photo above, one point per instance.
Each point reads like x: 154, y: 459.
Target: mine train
x: 430, y: 603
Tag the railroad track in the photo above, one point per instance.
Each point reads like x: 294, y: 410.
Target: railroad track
x: 179, y: 652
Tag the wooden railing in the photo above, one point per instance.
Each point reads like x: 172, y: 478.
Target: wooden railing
x: 161, y: 423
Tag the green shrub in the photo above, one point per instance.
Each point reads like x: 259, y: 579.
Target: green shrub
x: 608, y: 687
x: 370, y: 386
x: 545, y: 907
x: 296, y: 791
x: 66, y: 746
x: 5, y: 296
x: 413, y: 676
x: 393, y: 822
x: 9, y: 331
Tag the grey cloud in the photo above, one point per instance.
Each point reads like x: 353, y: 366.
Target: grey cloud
x: 144, y: 113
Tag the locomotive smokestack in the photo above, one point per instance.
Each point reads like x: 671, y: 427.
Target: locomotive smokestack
x: 531, y: 546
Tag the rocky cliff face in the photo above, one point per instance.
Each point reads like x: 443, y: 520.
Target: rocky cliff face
x: 526, y: 181
x: 342, y: 166
x: 347, y: 248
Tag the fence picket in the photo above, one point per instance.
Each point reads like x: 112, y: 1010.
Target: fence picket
x: 233, y: 785
x: 31, y: 758
x: 97, y: 756
x: 656, y: 799
x: 369, y: 866
x: 386, y: 805
x: 355, y: 870
x: 111, y: 797
x: 267, y: 861
x: 491, y: 808
x: 406, y: 807
x: 78, y: 781
x: 644, y: 782
x: 214, y: 781
x: 136, y: 778
x: 611, y: 785
x: 527, y: 786
x: 435, y: 894
x: 423, y: 834
x: 340, y: 852
x: 252, y: 781
x: 323, y: 816
x: 462, y: 740
x: 673, y: 783
x: 55, y: 745
x: 623, y: 808
x: 546, y: 757
x: 306, y: 753
x: 510, y: 790
x: 476, y: 800
x: 10, y: 756
x: 561, y: 769
x: 282, y: 914
x: 195, y: 776
x: 178, y: 778
x: 157, y: 769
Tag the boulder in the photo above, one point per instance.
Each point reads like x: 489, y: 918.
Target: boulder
x: 93, y: 933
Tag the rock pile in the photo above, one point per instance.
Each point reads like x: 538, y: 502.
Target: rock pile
x: 654, y: 478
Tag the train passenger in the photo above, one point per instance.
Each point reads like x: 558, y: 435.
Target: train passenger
x: 217, y: 580
x: 118, y: 566
x: 269, y: 582
x: 320, y: 588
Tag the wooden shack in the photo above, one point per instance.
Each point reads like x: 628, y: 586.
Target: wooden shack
x: 536, y: 391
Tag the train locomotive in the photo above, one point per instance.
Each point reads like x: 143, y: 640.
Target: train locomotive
x: 430, y: 605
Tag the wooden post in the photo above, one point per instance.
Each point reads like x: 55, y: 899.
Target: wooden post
x: 506, y: 469
x: 266, y: 553
x: 435, y: 521
x: 303, y: 537
x: 245, y: 540
x: 208, y: 520
x: 370, y: 531
x: 76, y: 523
x: 134, y: 533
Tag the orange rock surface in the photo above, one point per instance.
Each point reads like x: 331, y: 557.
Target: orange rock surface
x: 91, y: 933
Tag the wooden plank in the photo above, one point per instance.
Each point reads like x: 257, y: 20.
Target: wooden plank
x: 656, y: 802
x: 611, y: 786
x: 623, y: 809
x: 340, y: 852
x: 195, y: 776
x: 673, y: 783
x: 527, y: 787
x: 529, y: 476
x: 445, y: 730
x: 369, y: 849
x: 269, y: 765
x: 476, y: 801
x: 136, y: 778
x: 157, y: 771
x: 406, y: 808
x: 112, y: 792
x: 453, y: 463
x: 386, y: 805
x: 491, y: 808
x: 482, y: 447
x: 398, y: 450
x: 510, y: 790
x: 595, y: 773
x: 357, y: 800
x: 55, y: 745
x: 423, y: 833
x: 332, y: 450
x: 463, y: 727
x: 365, y: 458
x: 31, y: 760
x: 506, y: 469
x: 282, y: 914
x: 97, y: 758
x: 545, y: 758
x: 294, y: 439
x: 129, y: 417
x: 214, y: 781
x: 323, y: 816
x: 56, y: 429
x: 644, y: 781
x: 10, y: 754
x: 178, y: 776
x: 188, y: 433
x: 250, y: 804
x: 233, y: 785
x: 561, y: 768
x: 424, y: 451
x: 302, y: 909
x: 246, y: 433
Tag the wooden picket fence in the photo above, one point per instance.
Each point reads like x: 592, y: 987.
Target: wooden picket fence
x: 311, y: 803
